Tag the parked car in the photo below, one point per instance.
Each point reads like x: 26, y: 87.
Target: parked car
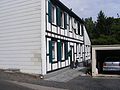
x: 111, y: 64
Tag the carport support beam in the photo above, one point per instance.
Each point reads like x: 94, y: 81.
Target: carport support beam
x: 94, y: 69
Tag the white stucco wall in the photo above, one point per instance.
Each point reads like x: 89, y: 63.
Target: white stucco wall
x: 87, y: 47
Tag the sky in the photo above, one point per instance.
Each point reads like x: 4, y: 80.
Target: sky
x: 91, y: 8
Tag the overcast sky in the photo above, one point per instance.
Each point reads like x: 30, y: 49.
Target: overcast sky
x: 91, y: 8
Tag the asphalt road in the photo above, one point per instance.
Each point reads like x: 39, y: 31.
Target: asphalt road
x: 79, y: 83
x: 87, y: 83
x: 4, y: 85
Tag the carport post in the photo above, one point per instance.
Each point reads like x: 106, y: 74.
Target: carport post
x: 94, y: 69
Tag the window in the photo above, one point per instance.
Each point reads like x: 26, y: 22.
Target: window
x: 68, y: 19
x: 65, y: 20
x: 62, y: 18
x: 62, y: 50
x: 78, y: 28
x: 82, y: 28
x: 59, y: 58
x: 58, y: 16
x: 81, y: 50
x: 70, y: 23
x: 74, y: 26
x: 66, y: 50
x: 78, y: 50
x: 49, y: 11
x: 74, y: 21
x: 53, y: 50
x: 53, y: 14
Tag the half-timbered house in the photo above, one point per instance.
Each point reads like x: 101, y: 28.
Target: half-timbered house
x: 40, y: 36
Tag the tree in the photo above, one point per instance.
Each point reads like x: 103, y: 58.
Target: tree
x: 109, y: 22
x: 90, y: 27
x: 101, y: 23
x: 105, y: 31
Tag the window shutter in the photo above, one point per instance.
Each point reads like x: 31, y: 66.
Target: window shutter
x: 65, y: 20
x: 58, y: 16
x: 79, y: 28
x: 49, y: 12
x: 66, y: 50
x: 50, y: 51
x: 82, y: 32
x: 59, y: 51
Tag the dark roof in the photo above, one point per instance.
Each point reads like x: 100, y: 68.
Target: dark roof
x: 66, y: 9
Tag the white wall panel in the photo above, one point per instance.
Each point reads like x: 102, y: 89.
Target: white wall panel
x: 20, y: 32
x: 59, y: 64
x: 63, y: 64
x: 67, y: 62
x: 54, y: 29
x: 54, y: 66
x: 22, y: 25
x: 48, y: 64
x: 62, y: 32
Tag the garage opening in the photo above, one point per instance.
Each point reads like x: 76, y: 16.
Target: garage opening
x: 101, y: 55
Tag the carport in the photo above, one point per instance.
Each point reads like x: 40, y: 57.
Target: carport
x: 99, y: 53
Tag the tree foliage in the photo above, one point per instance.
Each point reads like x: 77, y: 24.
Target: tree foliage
x: 104, y: 31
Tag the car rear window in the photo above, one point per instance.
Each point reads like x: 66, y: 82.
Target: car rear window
x: 112, y: 59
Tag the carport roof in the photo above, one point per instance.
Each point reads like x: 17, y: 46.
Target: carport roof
x: 106, y: 47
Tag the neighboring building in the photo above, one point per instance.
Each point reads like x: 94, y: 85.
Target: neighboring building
x: 40, y: 36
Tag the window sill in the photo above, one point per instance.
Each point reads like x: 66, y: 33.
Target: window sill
x: 54, y: 61
x: 62, y: 60
x: 53, y: 24
x: 62, y: 28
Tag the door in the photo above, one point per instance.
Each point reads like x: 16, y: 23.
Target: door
x: 72, y: 54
